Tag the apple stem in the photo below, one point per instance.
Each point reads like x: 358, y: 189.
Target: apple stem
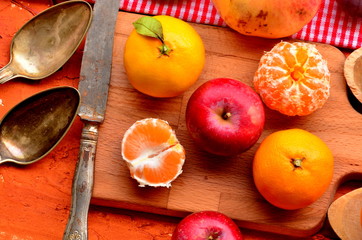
x: 226, y: 116
x: 214, y: 234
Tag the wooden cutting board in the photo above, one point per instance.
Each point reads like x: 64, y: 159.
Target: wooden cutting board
x: 215, y: 183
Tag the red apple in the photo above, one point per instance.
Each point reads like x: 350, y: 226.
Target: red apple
x: 225, y: 116
x: 207, y: 225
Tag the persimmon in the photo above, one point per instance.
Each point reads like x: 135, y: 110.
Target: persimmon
x: 265, y: 18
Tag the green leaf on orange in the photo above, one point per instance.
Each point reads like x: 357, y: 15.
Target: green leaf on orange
x: 150, y: 27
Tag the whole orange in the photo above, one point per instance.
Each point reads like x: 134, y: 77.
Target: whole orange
x: 292, y: 168
x: 165, y: 74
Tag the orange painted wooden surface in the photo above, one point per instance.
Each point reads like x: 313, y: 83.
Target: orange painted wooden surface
x: 209, y: 182
x: 35, y: 199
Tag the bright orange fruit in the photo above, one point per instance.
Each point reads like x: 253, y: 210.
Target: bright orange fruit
x: 165, y: 75
x: 292, y: 168
x: 152, y: 152
x: 293, y: 78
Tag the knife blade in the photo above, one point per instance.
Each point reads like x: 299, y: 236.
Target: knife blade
x: 93, y: 86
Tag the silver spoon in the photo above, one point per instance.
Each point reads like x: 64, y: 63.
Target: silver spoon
x: 47, y: 41
x: 32, y: 128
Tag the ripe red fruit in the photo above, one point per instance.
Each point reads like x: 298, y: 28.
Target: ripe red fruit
x: 225, y: 116
x: 266, y: 18
x: 351, y: 7
x: 207, y: 225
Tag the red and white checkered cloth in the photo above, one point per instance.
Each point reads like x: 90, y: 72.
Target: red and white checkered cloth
x: 331, y: 24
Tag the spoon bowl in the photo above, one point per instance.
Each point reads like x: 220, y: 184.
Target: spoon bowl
x: 345, y: 215
x: 32, y: 128
x: 353, y: 73
x: 47, y: 41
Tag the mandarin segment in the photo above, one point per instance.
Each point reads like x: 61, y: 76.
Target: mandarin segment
x: 152, y: 152
x: 293, y: 78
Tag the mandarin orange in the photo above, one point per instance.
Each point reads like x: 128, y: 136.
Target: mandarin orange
x: 293, y: 78
x: 152, y: 152
x: 292, y: 168
x: 159, y: 73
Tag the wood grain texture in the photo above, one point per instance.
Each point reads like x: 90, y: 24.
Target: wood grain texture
x: 345, y: 215
x: 215, y: 183
x: 353, y: 73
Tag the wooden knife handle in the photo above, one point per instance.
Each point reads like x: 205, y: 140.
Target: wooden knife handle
x: 82, y: 185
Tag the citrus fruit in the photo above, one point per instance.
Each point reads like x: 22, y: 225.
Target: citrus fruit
x: 164, y: 67
x: 292, y: 168
x: 153, y: 154
x: 293, y: 78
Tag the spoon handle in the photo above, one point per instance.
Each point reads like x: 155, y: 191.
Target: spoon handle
x: 6, y: 74
x: 82, y: 185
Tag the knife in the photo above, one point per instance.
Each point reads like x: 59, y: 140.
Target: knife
x: 93, y: 86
